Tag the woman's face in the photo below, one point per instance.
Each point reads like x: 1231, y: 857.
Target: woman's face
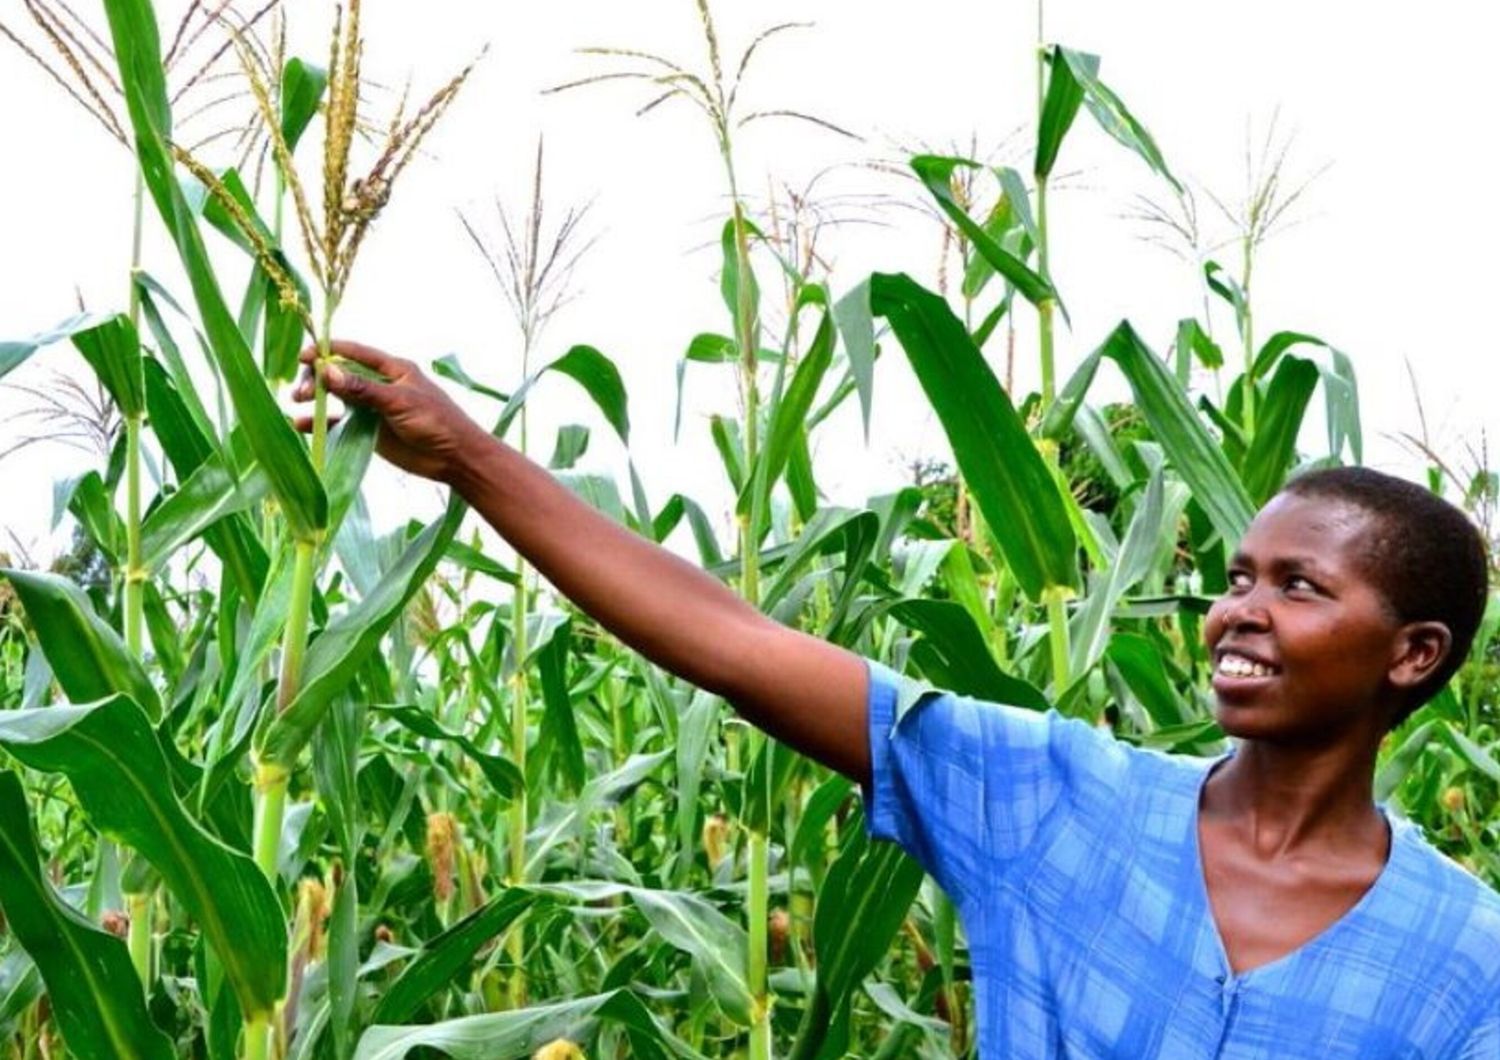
x: 1303, y: 643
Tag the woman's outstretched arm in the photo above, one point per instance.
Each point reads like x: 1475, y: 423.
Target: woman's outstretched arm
x: 800, y: 689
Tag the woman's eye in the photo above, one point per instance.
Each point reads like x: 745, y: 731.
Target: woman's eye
x: 1299, y: 584
x: 1238, y: 579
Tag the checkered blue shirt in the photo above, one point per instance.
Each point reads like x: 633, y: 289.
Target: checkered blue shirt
x: 1073, y: 862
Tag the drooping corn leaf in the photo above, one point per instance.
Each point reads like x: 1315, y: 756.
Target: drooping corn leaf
x: 856, y: 326
x: 14, y: 353
x: 1060, y: 105
x: 95, y: 995
x: 501, y: 773
x: 438, y: 964
x: 936, y: 174
x: 954, y: 655
x: 1000, y: 463
x: 113, y: 351
x: 598, y: 375
x: 518, y: 1034
x: 1161, y: 399
x: 209, y: 495
x: 336, y: 655
x: 109, y: 753
x: 88, y: 657
x: 276, y: 445
x: 1110, y: 112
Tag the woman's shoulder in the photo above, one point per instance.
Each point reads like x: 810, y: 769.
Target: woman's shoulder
x: 1447, y: 903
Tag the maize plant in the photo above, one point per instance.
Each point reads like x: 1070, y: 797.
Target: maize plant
x: 278, y: 785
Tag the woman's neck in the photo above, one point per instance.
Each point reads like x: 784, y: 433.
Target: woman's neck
x: 1288, y: 798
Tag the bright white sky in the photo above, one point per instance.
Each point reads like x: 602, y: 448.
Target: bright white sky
x: 1392, y: 261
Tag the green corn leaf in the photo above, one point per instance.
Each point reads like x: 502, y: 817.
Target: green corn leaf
x: 559, y: 725
x: 598, y: 375
x: 87, y: 499
x: 1139, y: 663
x: 1060, y: 105
x: 820, y: 808
x: 94, y: 992
x: 111, y: 756
x: 1278, y: 423
x: 88, y: 657
x: 1194, y: 342
x: 954, y: 655
x: 518, y: 1034
x: 350, y: 447
x: 276, y: 445
x: 1000, y: 463
x: 936, y: 172
x: 448, y: 367
x: 113, y: 350
x: 729, y: 277
x: 726, y: 436
x: 209, y: 495
x: 334, y: 658
x: 1164, y: 403
x: 1110, y: 112
x: 302, y: 86
x: 861, y: 906
x: 709, y: 348
x: 21, y: 984
x: 604, y: 789
x: 441, y: 960
x: 788, y: 418
x: 717, y: 944
x: 856, y: 324
x: 1396, y: 765
x: 16, y: 352
x: 1340, y: 388
x: 1092, y: 622
x: 501, y: 773
x: 572, y: 442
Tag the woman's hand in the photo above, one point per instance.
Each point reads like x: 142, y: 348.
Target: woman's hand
x: 422, y: 429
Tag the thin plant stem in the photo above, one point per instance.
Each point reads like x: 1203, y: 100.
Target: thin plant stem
x: 1046, y: 307
x: 257, y: 1038
x: 758, y: 848
x: 520, y: 604
x: 135, y: 575
x: 138, y: 906
x: 1247, y: 335
x: 1057, y: 626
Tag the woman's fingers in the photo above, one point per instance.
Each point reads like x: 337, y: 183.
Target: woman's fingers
x: 386, y: 364
x: 305, y: 423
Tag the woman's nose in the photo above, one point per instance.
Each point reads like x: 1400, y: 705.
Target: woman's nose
x: 1244, y: 610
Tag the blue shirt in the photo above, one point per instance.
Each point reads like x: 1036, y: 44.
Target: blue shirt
x: 1073, y: 861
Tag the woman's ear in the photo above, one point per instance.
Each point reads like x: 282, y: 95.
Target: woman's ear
x: 1421, y: 647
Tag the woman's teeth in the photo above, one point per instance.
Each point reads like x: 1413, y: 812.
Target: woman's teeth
x: 1239, y: 666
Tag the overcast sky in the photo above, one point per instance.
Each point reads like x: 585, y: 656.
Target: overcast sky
x: 1392, y: 259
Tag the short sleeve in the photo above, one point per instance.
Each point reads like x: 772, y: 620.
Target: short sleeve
x: 964, y: 786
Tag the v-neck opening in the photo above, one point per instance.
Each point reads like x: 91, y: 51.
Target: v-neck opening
x: 1327, y: 932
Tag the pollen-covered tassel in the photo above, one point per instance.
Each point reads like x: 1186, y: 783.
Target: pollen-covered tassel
x: 715, y: 839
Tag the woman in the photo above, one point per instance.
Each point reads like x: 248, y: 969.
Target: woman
x: 1118, y: 903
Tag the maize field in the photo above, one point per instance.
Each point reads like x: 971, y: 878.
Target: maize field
x: 274, y: 784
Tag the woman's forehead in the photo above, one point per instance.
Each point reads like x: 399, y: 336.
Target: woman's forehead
x: 1325, y: 529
